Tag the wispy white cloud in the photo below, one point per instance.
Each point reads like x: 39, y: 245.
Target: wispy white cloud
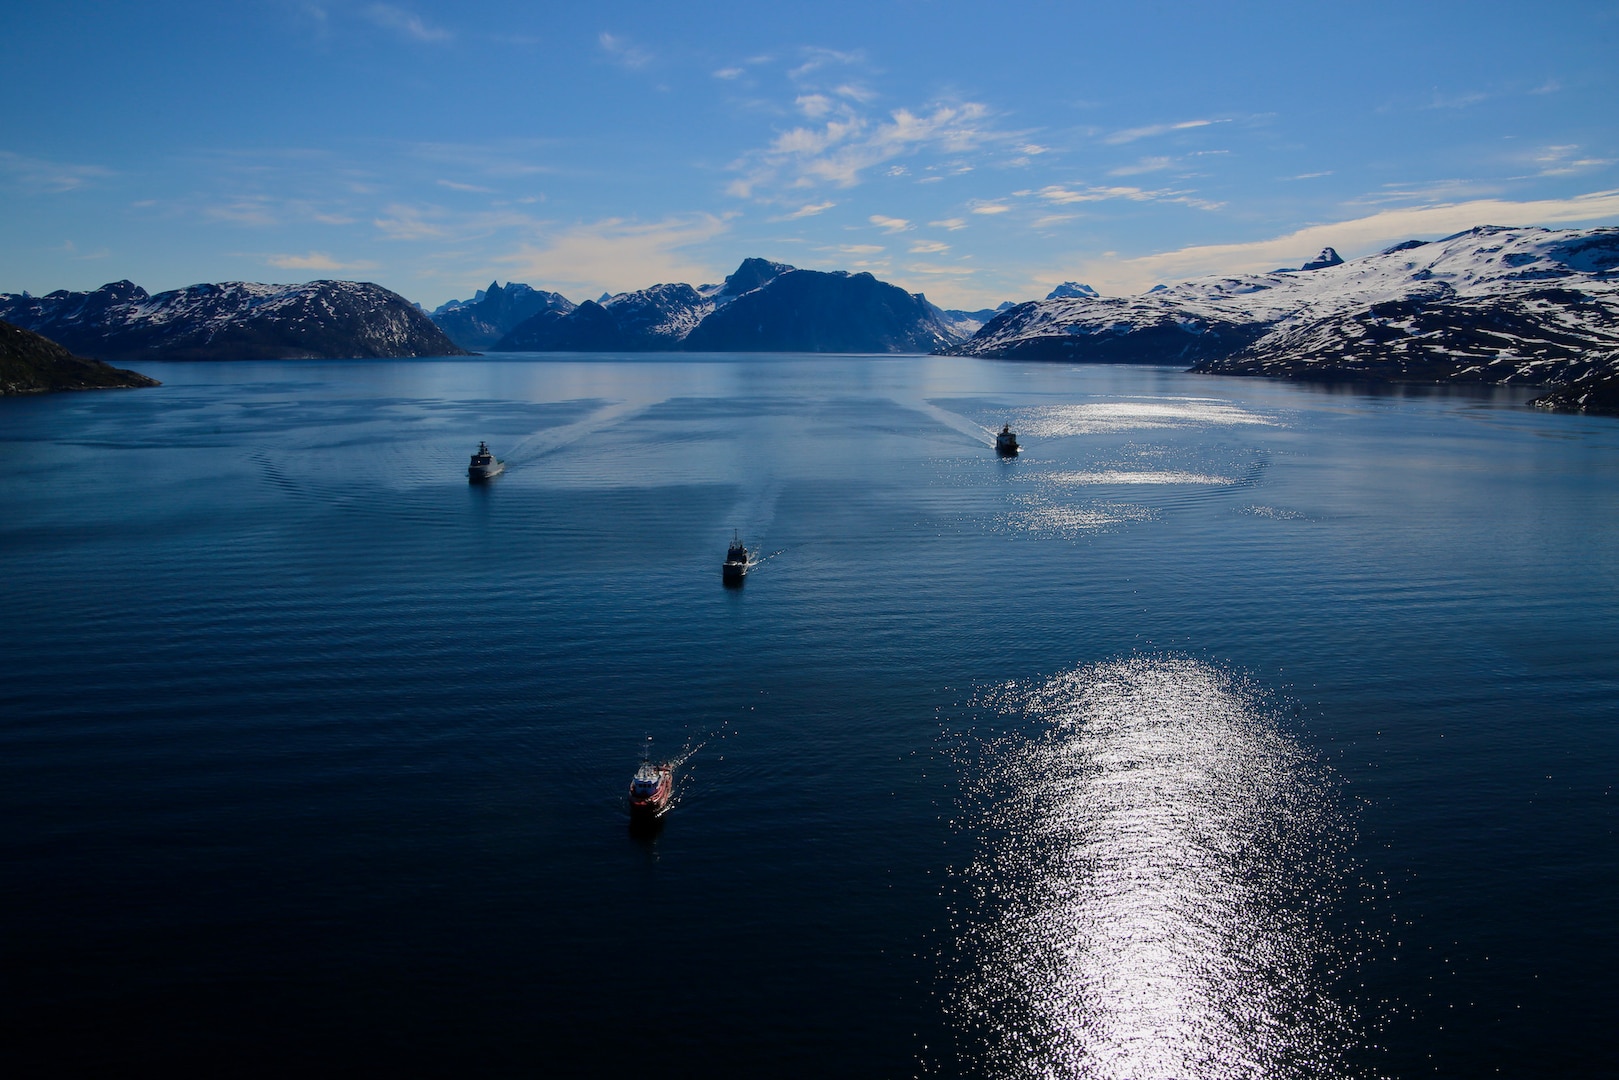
x: 1428, y: 192
x: 890, y: 225
x: 503, y: 158
x: 615, y: 254
x: 259, y: 212
x: 951, y: 269
x: 622, y: 52
x: 316, y: 260
x: 952, y: 224
x: 813, y: 106
x: 456, y: 185
x: 1059, y: 195
x: 729, y: 73
x: 1565, y: 161
x: 1062, y: 196
x: 860, y: 249
x: 406, y: 23
x: 42, y: 176
x: 807, y: 210
x: 401, y: 222
x: 1145, y: 165
x: 991, y: 208
x: 71, y: 250
x: 843, y: 142
x: 1455, y: 101
x: 818, y: 58
x: 929, y: 247
x: 1130, y: 135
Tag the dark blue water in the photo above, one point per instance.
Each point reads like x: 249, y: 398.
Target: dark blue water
x: 1235, y: 729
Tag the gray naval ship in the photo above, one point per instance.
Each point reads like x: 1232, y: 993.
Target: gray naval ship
x: 484, y: 466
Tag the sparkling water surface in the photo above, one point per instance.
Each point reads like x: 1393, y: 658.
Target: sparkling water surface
x: 1235, y: 729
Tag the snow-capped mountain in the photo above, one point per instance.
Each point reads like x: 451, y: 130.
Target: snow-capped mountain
x: 960, y: 325
x: 1072, y: 290
x: 495, y: 312
x: 647, y: 320
x: 1492, y: 305
x: 234, y: 320
x: 1598, y: 393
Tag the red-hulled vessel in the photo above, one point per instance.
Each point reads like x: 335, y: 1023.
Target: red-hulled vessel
x: 651, y: 790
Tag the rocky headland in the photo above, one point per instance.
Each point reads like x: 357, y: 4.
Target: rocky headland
x: 32, y: 364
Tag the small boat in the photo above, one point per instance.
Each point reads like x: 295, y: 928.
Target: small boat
x: 651, y: 789
x: 736, y: 561
x: 484, y: 466
x: 1006, y: 442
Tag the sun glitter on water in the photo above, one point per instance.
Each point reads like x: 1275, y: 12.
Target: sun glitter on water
x: 1150, y: 883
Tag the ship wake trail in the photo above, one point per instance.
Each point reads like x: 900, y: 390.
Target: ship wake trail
x: 1151, y: 885
x: 532, y: 447
x: 756, y: 510
x: 978, y: 433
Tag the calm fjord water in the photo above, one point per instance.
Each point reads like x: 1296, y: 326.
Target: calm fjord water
x: 1235, y: 729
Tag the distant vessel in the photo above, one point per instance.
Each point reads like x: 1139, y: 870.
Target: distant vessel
x: 484, y: 466
x: 651, y: 789
x: 736, y: 561
x: 1006, y: 442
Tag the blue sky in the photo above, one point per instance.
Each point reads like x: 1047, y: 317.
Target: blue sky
x: 974, y: 152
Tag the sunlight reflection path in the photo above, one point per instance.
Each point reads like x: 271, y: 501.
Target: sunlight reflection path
x: 1151, y: 886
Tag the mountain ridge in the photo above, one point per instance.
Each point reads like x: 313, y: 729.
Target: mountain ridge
x: 494, y: 312
x: 232, y: 320
x: 1492, y: 304
x: 763, y: 306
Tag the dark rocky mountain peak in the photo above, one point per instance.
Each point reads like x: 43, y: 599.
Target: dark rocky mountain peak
x: 496, y: 312
x: 814, y: 311
x: 1071, y: 290
x: 1328, y: 257
x: 753, y: 273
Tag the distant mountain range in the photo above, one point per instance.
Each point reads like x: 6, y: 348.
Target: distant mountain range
x: 31, y: 364
x: 763, y: 307
x: 235, y: 320
x: 495, y: 312
x: 1490, y: 305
